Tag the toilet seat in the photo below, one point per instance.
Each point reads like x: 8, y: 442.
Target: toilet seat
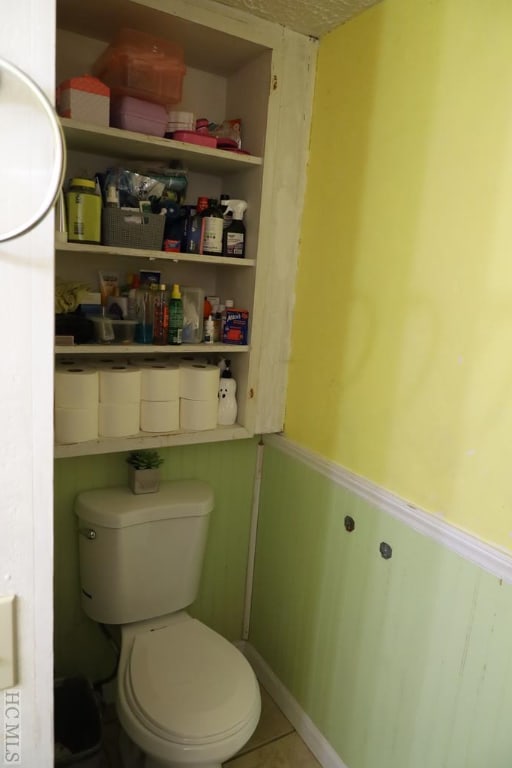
x: 189, y: 685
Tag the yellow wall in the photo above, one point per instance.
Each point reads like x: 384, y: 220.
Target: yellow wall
x: 401, y: 364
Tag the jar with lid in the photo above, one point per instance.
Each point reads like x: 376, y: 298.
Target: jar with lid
x: 83, y: 203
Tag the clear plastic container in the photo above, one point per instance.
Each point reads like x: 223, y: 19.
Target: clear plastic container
x: 193, y: 305
x: 109, y: 330
x: 143, y: 66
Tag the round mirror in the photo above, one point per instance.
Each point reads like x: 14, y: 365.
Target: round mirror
x: 32, y: 153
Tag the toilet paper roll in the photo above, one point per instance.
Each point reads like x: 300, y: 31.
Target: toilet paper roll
x: 197, y: 415
x: 160, y: 382
x: 118, y: 420
x: 76, y: 425
x: 199, y: 381
x: 119, y: 384
x: 76, y: 387
x: 159, y: 416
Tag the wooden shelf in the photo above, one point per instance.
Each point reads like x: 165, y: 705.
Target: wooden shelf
x: 150, y: 349
x: 118, y: 143
x: 138, y: 253
x: 146, y: 440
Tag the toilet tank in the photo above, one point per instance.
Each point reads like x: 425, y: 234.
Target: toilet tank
x: 141, y: 555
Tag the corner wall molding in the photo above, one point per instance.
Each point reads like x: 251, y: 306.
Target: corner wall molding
x: 487, y: 557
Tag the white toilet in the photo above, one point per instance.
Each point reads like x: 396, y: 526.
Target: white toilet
x: 185, y: 695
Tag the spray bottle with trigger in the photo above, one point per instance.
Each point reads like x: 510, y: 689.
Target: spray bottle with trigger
x: 233, y: 241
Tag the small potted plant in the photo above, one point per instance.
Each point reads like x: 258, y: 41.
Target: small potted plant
x: 143, y: 471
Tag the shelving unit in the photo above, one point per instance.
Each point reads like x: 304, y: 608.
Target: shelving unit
x: 262, y: 74
x: 105, y: 350
x: 106, y: 250
x: 146, y: 440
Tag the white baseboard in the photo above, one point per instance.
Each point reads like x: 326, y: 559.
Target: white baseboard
x: 303, y: 724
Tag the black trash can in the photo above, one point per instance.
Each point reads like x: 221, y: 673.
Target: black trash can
x: 77, y: 724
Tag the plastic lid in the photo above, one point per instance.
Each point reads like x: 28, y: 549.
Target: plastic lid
x: 83, y: 183
x: 120, y: 508
x: 190, y: 683
x: 175, y: 294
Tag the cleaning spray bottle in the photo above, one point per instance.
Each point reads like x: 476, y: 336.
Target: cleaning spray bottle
x: 233, y: 240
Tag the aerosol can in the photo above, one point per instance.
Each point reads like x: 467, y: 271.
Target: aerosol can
x: 233, y: 241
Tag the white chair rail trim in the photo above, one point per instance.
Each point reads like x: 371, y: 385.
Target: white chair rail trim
x: 489, y: 558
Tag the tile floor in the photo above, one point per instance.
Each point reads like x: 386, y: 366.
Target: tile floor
x: 274, y: 744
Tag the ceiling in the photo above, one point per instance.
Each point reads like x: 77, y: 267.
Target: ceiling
x: 309, y: 17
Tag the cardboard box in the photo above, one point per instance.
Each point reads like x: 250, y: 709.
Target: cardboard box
x: 236, y: 326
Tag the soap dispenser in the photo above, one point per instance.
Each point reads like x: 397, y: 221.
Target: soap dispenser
x: 227, y: 397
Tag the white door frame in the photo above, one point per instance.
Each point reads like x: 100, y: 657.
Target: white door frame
x: 27, y: 39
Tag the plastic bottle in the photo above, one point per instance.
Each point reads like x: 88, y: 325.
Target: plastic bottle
x: 195, y: 225
x: 112, y: 198
x: 212, y: 229
x: 233, y: 241
x: 175, y: 316
x: 217, y: 322
x: 228, y: 304
x: 83, y: 203
x: 132, y: 297
x: 161, y: 316
x: 228, y: 408
x: 207, y: 308
x: 226, y: 215
x: 208, y: 330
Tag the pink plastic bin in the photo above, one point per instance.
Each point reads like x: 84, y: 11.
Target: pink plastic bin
x: 138, y: 115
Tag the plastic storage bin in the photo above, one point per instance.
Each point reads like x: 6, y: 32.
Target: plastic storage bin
x: 77, y: 724
x: 132, y: 229
x: 110, y: 330
x: 138, y: 115
x: 84, y: 98
x: 142, y: 66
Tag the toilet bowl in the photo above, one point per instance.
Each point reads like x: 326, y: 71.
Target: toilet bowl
x: 185, y: 695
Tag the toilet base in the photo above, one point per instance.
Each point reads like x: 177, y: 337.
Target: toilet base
x: 133, y: 757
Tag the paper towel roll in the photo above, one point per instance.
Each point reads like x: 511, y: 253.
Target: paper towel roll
x: 198, y: 414
x: 159, y: 416
x: 76, y: 425
x: 199, y: 381
x: 160, y: 382
x: 119, y: 384
x: 76, y: 387
x: 118, y: 420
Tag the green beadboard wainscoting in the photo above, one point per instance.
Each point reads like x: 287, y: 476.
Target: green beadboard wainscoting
x: 400, y: 663
x: 79, y: 644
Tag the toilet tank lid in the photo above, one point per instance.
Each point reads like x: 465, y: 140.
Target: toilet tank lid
x: 119, y: 507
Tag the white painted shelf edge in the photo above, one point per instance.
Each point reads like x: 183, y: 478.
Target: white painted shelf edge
x: 116, y: 142
x: 99, y: 350
x: 109, y: 250
x: 147, y: 440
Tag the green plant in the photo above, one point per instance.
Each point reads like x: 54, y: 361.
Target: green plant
x: 144, y: 459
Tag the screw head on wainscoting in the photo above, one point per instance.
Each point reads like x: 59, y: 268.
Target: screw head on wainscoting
x: 385, y: 550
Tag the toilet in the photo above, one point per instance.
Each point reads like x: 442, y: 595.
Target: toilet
x: 186, y: 697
